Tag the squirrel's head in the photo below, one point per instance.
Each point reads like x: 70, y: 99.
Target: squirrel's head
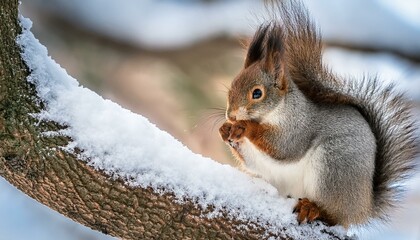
x: 262, y: 83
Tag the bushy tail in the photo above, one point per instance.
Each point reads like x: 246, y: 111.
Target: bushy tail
x: 388, y: 112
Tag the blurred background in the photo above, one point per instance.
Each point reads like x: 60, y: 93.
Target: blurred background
x: 172, y: 61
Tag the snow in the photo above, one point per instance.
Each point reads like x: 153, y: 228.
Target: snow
x: 404, y: 222
x: 156, y: 24
x: 374, y: 24
x: 408, y: 10
x: 39, y: 222
x: 167, y: 24
x: 389, y: 68
x: 128, y: 146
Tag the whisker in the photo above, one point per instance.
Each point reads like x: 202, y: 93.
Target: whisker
x: 223, y: 91
x: 218, y: 109
x: 227, y: 88
x: 214, y: 116
x: 212, y: 113
x: 217, y: 122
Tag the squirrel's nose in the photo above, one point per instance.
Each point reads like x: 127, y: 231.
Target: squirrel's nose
x: 232, y: 116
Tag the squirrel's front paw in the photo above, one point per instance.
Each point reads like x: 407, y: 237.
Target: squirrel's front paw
x: 224, y: 131
x: 237, y: 131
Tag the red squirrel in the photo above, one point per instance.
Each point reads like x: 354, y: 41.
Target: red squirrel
x: 340, y: 146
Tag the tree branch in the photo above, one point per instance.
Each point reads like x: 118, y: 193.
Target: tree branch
x: 35, y: 164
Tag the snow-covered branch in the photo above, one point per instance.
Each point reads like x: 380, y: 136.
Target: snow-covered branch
x: 113, y: 170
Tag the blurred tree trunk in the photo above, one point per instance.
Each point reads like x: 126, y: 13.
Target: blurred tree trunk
x: 32, y: 163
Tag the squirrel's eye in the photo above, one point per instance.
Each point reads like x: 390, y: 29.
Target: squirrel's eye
x: 257, y: 93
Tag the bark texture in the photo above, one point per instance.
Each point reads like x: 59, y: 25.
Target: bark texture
x: 32, y: 163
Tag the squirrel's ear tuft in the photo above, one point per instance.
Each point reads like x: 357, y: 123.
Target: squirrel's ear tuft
x: 273, y: 54
x: 256, y: 47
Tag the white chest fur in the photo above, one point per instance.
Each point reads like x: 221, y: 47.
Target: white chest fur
x: 297, y: 179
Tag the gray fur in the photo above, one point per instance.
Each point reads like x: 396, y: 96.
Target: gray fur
x: 349, y: 146
x: 387, y: 111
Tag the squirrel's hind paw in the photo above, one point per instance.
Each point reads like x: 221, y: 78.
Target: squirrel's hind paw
x: 306, y: 210
x: 309, y: 211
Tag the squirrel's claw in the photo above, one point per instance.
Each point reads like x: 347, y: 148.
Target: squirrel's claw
x: 232, y: 133
x: 237, y: 131
x: 232, y: 143
x: 306, y: 210
x: 224, y: 131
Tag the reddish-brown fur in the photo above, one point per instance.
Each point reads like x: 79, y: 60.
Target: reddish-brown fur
x: 253, y: 131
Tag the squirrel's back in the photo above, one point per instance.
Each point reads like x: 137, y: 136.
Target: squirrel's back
x: 388, y: 112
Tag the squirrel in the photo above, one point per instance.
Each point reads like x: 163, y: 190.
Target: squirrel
x: 339, y: 146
